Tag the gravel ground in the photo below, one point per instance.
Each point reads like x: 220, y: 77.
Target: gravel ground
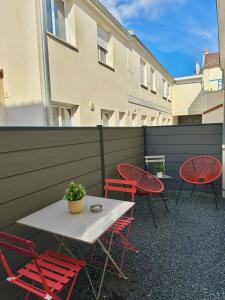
x: 184, y: 258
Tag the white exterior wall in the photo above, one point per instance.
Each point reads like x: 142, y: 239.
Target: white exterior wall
x: 76, y: 77
x: 19, y: 58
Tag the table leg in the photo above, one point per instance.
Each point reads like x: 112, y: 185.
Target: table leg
x: 112, y: 260
x: 62, y: 245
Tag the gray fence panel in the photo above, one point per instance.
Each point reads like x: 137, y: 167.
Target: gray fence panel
x: 37, y: 164
x: 178, y: 143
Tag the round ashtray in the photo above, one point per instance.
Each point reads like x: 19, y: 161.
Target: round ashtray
x: 96, y: 208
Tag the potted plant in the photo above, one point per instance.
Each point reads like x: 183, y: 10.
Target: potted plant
x: 159, y: 170
x: 74, y: 195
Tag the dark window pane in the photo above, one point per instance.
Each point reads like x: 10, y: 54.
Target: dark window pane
x: 59, y: 19
x: 49, y: 16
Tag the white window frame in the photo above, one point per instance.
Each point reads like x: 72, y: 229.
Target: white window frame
x: 103, y: 43
x: 165, y: 88
x: 153, y: 79
x: 61, y: 107
x: 145, y: 77
x: 65, y: 19
x: 144, y: 120
x: 122, y: 121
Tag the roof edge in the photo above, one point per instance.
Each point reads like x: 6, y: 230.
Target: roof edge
x: 105, y: 11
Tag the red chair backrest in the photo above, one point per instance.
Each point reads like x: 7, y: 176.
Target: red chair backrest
x: 17, y: 244
x: 120, y: 185
x: 201, y: 169
x: 145, y: 182
x: 23, y: 247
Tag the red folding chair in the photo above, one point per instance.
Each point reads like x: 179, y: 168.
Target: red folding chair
x: 200, y: 170
x: 46, y: 275
x: 146, y: 184
x: 122, y: 227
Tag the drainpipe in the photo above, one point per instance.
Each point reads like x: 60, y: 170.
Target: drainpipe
x: 45, y: 63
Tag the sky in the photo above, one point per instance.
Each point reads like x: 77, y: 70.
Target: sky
x: 175, y: 31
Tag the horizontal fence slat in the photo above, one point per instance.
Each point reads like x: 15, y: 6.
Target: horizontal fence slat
x: 116, y: 145
x: 123, y: 132
x: 17, y: 140
x: 31, y: 160
x: 41, y: 179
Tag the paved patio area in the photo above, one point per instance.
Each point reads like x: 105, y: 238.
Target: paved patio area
x: 183, y: 259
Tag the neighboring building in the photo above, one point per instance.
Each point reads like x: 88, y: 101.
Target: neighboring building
x: 199, y: 98
x: 221, y: 27
x: 72, y: 63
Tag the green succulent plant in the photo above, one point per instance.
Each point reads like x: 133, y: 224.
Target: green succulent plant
x: 159, y: 168
x: 74, y: 192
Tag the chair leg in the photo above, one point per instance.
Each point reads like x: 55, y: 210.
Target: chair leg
x: 164, y: 202
x: 71, y: 288
x: 151, y: 212
x: 193, y: 189
x: 180, y: 190
x: 215, y: 195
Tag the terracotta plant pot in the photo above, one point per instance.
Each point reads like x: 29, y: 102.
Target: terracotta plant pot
x: 75, y: 207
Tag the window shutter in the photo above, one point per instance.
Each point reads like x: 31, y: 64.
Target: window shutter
x: 103, y: 39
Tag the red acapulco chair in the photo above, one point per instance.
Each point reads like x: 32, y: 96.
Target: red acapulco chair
x: 46, y: 275
x: 200, y: 170
x: 146, y: 184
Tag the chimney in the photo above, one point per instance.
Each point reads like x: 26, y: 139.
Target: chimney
x: 197, y: 69
x: 205, y: 52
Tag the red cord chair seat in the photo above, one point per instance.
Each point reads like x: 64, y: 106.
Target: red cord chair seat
x: 201, y: 170
x: 146, y: 183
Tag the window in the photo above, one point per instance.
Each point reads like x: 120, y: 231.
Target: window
x: 103, y: 51
x: 144, y: 120
x: 220, y: 84
x: 165, y: 89
x: 134, y: 120
x: 215, y: 85
x: 64, y: 116
x: 153, y: 81
x: 122, y: 119
x: 56, y: 20
x: 153, y: 121
x: 143, y: 73
x: 106, y: 117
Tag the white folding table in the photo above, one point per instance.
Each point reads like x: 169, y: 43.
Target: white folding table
x: 85, y: 227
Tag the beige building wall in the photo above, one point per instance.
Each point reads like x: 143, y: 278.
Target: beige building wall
x: 19, y: 58
x: 78, y: 82
x: 2, y: 109
x: 210, y: 78
x: 158, y: 110
x: 77, y: 78
x: 187, y: 96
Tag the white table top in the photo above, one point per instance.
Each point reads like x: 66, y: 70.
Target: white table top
x: 85, y: 226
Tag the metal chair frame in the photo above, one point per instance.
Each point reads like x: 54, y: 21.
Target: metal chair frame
x: 46, y: 275
x: 155, y: 159
x: 122, y: 227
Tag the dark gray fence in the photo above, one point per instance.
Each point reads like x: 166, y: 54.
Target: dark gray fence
x: 38, y: 163
x: 179, y: 143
